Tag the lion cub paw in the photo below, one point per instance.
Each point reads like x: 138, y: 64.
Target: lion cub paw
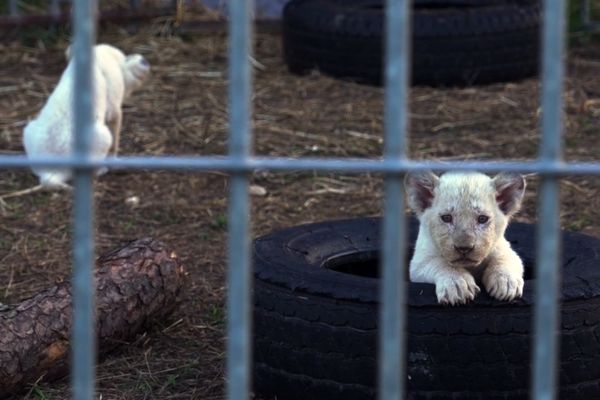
x: 503, y: 285
x: 456, y: 288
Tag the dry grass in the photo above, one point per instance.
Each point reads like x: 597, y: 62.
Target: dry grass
x: 183, y: 110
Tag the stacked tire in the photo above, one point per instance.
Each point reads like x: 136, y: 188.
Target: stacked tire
x: 316, y: 324
x: 454, y: 42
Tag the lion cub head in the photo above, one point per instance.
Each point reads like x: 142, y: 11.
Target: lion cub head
x: 464, y: 213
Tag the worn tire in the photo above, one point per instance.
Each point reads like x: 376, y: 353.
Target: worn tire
x: 451, y: 46
x: 315, y: 314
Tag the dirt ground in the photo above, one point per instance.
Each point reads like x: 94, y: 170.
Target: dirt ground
x: 183, y: 110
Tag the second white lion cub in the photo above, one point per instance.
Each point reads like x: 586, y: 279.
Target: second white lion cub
x: 463, y: 216
x: 114, y: 77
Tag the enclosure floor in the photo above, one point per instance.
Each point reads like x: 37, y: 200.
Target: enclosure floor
x: 183, y: 110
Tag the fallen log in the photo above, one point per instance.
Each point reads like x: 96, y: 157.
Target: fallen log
x: 136, y: 284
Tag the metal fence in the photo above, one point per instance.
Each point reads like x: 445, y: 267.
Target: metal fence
x: 240, y: 162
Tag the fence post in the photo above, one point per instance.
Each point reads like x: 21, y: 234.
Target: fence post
x: 546, y: 310
x: 83, y: 340
x: 392, y: 335
x: 239, y: 272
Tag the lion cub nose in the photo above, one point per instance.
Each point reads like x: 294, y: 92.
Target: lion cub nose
x: 464, y: 250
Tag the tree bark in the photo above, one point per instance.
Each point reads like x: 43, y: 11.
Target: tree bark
x: 135, y: 285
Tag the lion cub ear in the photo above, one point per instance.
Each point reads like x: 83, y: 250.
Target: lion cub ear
x: 510, y: 188
x: 419, y: 189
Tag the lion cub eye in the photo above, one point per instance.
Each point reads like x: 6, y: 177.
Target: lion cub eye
x: 482, y: 219
x: 447, y: 218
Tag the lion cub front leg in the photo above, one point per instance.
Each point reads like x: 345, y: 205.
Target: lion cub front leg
x: 503, y: 274
x: 115, y: 126
x: 453, y: 285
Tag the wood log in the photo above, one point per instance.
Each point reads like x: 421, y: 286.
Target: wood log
x: 136, y: 285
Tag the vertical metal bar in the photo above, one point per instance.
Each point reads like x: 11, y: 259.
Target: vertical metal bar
x: 546, y: 350
x: 83, y: 336
x: 392, y: 336
x: 54, y: 8
x: 585, y: 13
x: 135, y: 4
x: 13, y: 9
x: 239, y: 295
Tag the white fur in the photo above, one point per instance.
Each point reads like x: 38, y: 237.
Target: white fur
x: 114, y: 77
x: 451, y: 254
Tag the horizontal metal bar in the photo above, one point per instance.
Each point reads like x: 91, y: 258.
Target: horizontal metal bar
x: 222, y: 163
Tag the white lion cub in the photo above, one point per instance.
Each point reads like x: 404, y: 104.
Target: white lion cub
x: 463, y: 216
x: 114, y: 77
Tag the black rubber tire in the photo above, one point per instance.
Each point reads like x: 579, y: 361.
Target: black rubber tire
x: 451, y: 46
x: 315, y: 332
